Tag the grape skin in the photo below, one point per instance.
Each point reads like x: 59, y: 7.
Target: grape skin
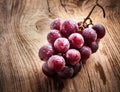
x: 73, y: 56
x: 45, y: 52
x: 67, y: 72
x: 56, y: 63
x: 53, y: 35
x: 61, y: 45
x: 85, y: 24
x: 89, y: 35
x: 68, y: 27
x: 100, y: 30
x: 77, y: 69
x: 47, y: 71
x: 56, y: 24
x: 76, y: 40
x: 94, y: 46
x: 85, y: 52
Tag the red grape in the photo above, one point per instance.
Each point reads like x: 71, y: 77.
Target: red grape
x: 47, y: 71
x: 76, y: 40
x: 77, y: 68
x: 67, y: 72
x: 85, y: 24
x: 98, y: 40
x: 61, y: 45
x: 53, y: 35
x: 68, y: 27
x: 89, y: 35
x: 85, y: 52
x: 45, y: 52
x: 69, y: 47
x: 94, y: 46
x: 56, y: 63
x: 56, y: 24
x: 100, y: 30
x: 73, y: 56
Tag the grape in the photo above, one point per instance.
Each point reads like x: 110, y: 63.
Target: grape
x: 94, y: 46
x: 47, y: 71
x: 73, y: 56
x: 68, y: 27
x: 100, y: 30
x: 98, y: 41
x: 89, y: 35
x: 69, y: 47
x: 53, y: 35
x: 67, y: 72
x: 56, y: 63
x: 85, y: 24
x: 45, y: 52
x: 61, y: 45
x: 77, y: 69
x: 56, y: 24
x: 76, y: 40
x: 85, y: 52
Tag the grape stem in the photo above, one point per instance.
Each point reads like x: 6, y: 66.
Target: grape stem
x: 88, y: 17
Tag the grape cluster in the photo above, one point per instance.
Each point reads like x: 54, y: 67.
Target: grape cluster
x: 69, y: 47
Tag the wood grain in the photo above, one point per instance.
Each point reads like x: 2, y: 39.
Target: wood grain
x: 24, y: 25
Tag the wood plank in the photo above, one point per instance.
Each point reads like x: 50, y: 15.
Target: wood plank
x: 24, y: 25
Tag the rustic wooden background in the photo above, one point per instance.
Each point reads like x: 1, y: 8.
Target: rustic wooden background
x: 24, y: 25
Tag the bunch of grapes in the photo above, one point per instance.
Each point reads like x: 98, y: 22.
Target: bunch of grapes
x: 69, y: 47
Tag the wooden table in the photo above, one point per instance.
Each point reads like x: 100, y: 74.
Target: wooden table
x: 24, y: 25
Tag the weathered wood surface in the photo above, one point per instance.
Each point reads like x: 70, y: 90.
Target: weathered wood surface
x: 24, y: 25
